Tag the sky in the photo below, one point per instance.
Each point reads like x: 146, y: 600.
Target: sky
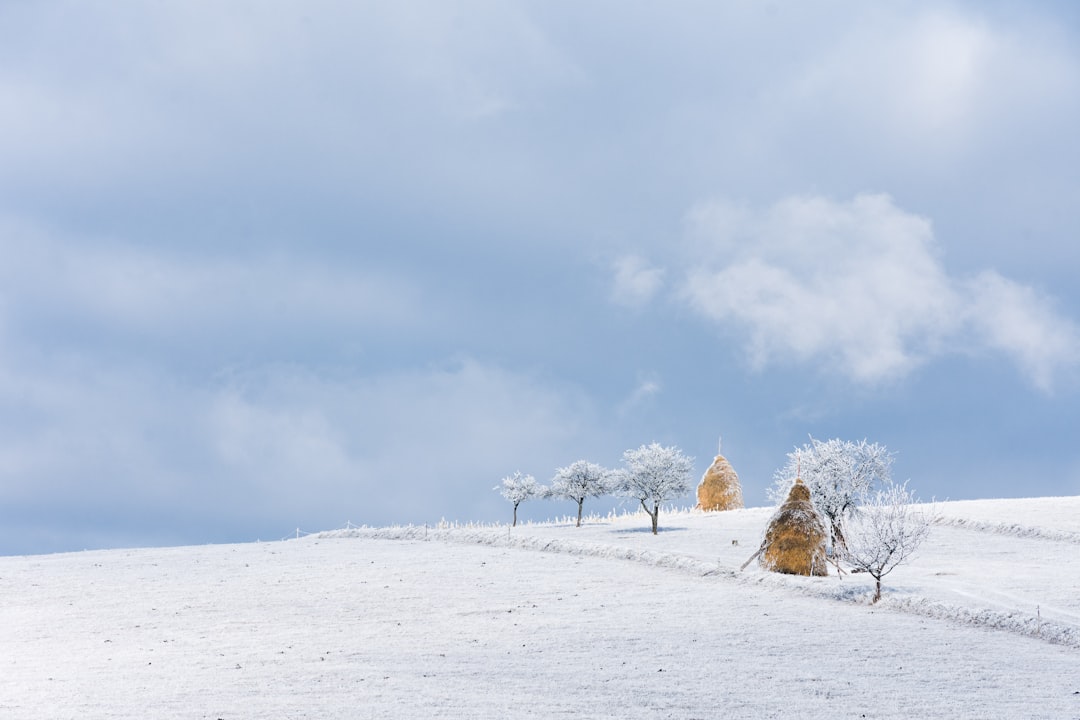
x: 278, y: 265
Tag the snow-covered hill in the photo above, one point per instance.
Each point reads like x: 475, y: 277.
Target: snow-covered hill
x: 550, y: 620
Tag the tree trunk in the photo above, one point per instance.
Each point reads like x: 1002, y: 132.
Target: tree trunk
x: 515, y: 515
x: 651, y: 513
x: 877, y: 591
x: 579, y: 504
x: 839, y: 543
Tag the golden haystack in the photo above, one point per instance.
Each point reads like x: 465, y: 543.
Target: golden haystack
x: 795, y: 539
x: 719, y: 488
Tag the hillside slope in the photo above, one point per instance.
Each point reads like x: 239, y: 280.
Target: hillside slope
x: 609, y: 622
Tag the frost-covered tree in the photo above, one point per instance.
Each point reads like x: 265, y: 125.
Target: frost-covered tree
x: 653, y: 475
x: 839, y: 474
x: 581, y: 480
x: 886, y: 532
x: 518, y: 488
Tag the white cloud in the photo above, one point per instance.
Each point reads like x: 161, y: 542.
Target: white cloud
x: 48, y: 278
x: 936, y: 79
x: 175, y: 87
x: 860, y: 287
x: 1025, y: 325
x: 648, y: 386
x: 635, y: 282
x: 402, y: 446
x: 924, y: 74
x: 271, y: 448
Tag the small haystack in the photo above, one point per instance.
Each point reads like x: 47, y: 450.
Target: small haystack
x: 795, y: 538
x: 719, y: 488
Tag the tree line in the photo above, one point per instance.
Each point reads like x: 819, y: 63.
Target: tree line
x: 652, y: 474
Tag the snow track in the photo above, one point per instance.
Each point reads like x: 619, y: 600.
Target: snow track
x: 1010, y: 529
x: 495, y: 538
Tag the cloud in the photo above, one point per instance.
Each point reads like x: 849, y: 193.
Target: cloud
x: 859, y: 287
x: 114, y: 291
x: 648, y: 386
x: 182, y: 87
x: 635, y: 282
x: 262, y: 451
x: 1025, y: 325
x: 925, y: 76
x: 407, y: 443
x: 403, y: 446
x: 937, y: 79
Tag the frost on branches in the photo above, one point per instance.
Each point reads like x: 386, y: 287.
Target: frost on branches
x: 839, y: 473
x: 886, y: 532
x: 581, y: 480
x: 654, y: 475
x: 518, y: 488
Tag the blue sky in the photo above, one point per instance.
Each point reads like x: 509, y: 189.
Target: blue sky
x: 270, y: 265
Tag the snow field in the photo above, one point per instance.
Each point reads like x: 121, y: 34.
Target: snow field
x: 1006, y: 575
x: 610, y: 621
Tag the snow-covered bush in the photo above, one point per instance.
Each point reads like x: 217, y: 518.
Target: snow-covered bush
x: 839, y: 474
x: 518, y: 488
x: 581, y: 480
x: 653, y: 475
x: 886, y: 532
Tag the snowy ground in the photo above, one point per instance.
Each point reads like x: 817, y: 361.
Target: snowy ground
x: 551, y: 621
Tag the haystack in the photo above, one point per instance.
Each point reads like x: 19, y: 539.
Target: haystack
x: 719, y: 488
x: 795, y: 538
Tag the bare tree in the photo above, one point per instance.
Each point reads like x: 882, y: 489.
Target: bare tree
x: 886, y: 532
x: 581, y: 480
x: 518, y: 488
x: 654, y: 475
